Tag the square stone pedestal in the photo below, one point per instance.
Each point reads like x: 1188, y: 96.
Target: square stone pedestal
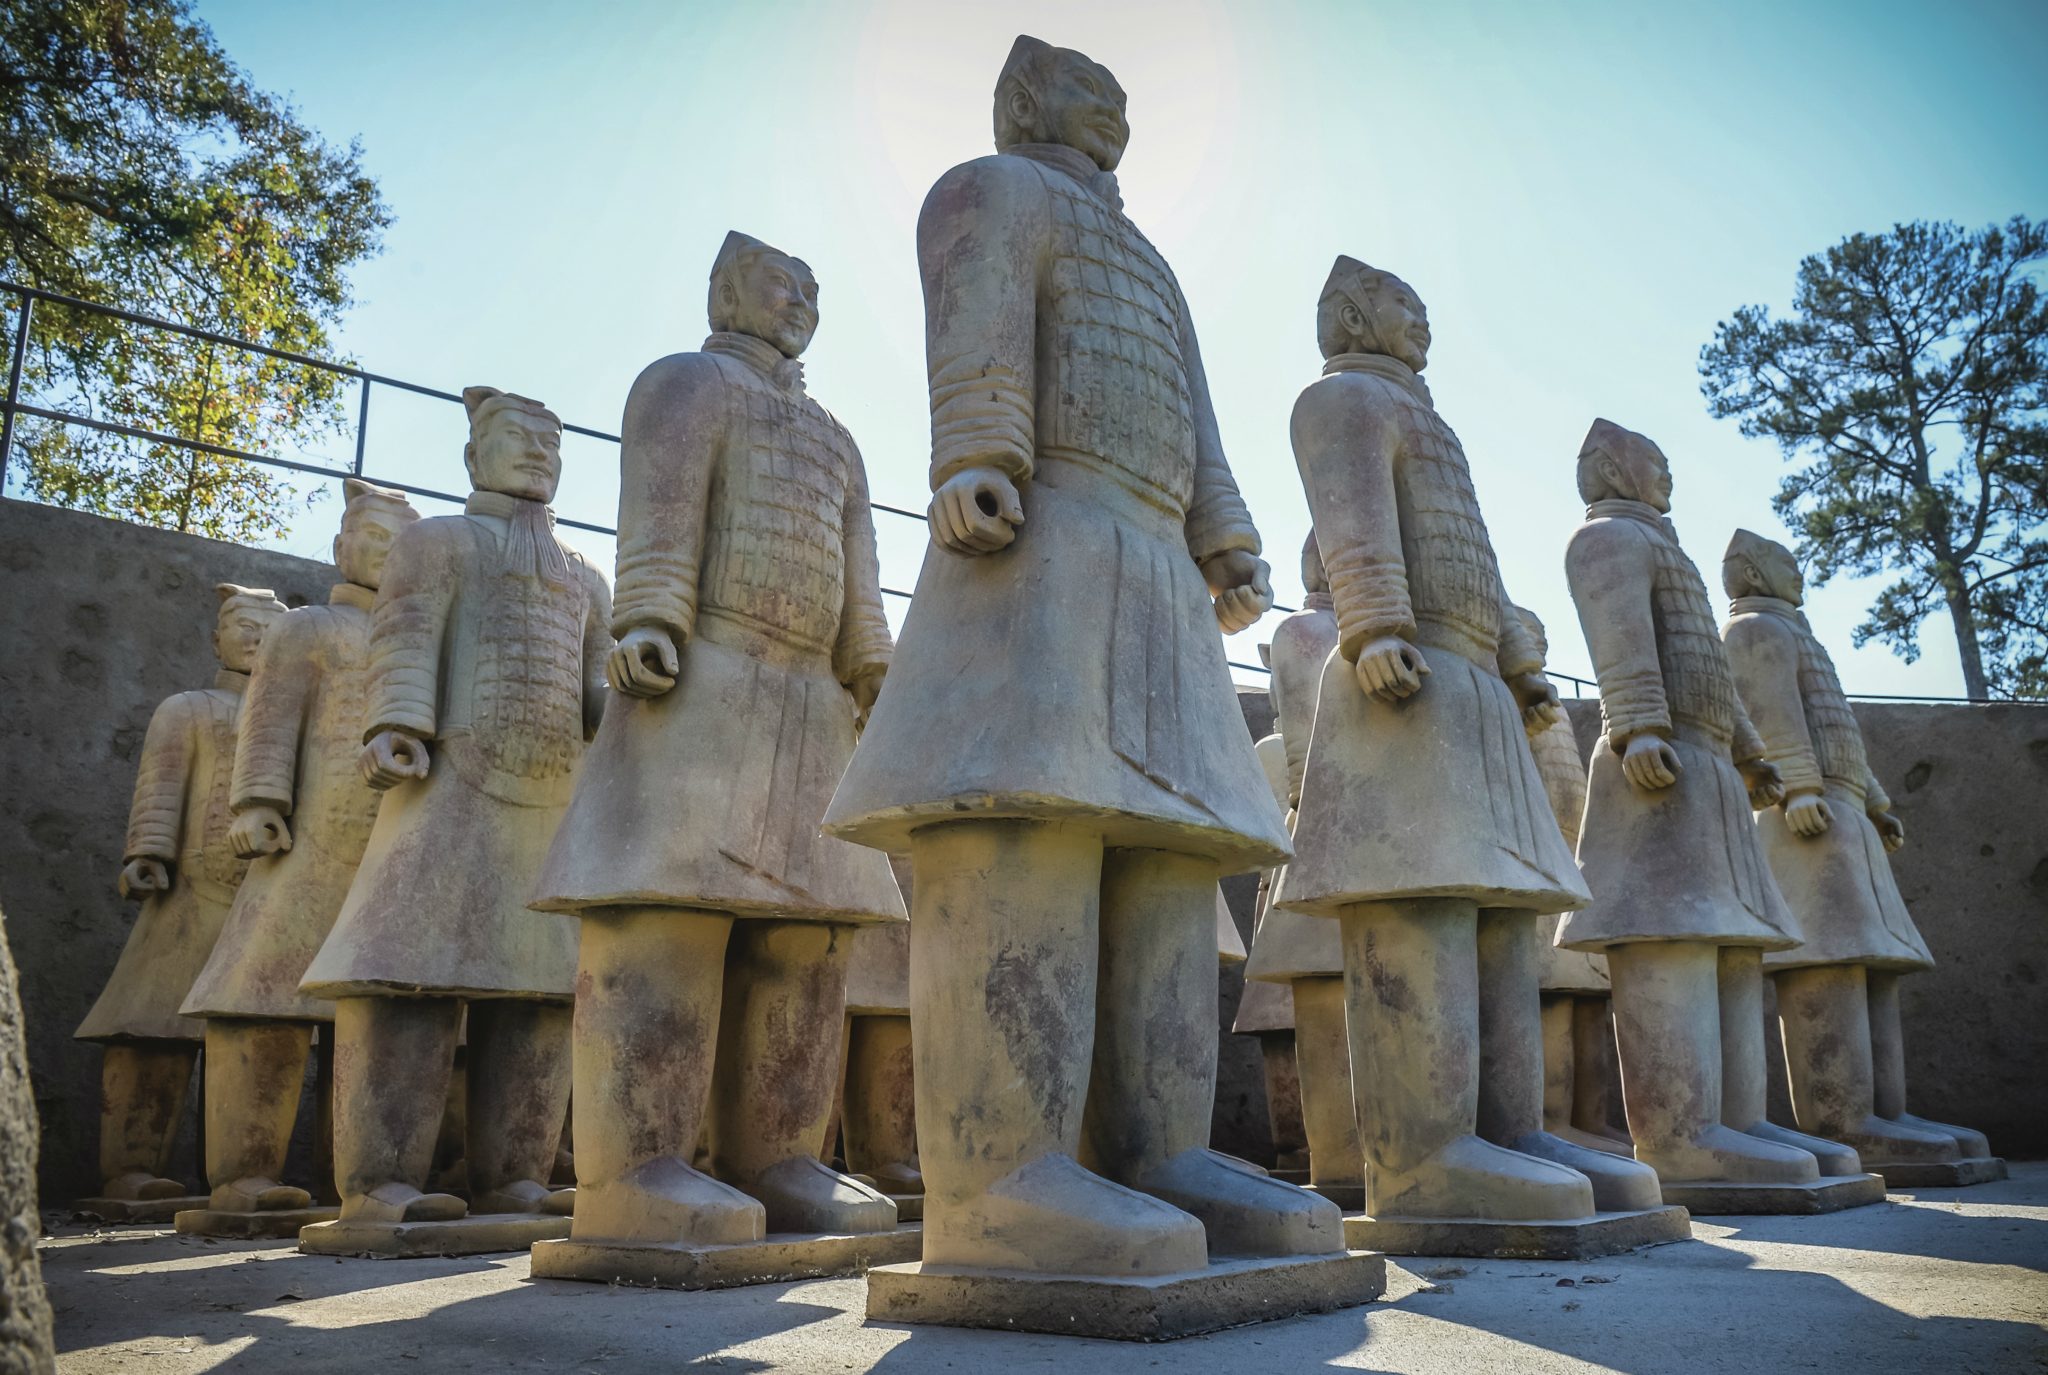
x: 1603, y: 1234
x: 1349, y: 1198
x: 909, y: 1207
x: 775, y: 1259
x: 1157, y: 1308
x: 277, y: 1222
x: 465, y: 1236
x: 1829, y: 1194
x: 140, y: 1209
x: 1942, y: 1174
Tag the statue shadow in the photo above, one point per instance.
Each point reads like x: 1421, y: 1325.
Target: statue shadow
x: 1928, y: 1223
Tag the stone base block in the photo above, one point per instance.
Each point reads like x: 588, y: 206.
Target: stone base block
x: 909, y: 1207
x: 1603, y: 1234
x: 1290, y: 1175
x: 775, y: 1259
x: 1228, y: 1293
x: 1941, y: 1174
x: 140, y: 1210
x: 465, y: 1236
x: 281, y: 1222
x: 1348, y: 1197
x: 1829, y: 1194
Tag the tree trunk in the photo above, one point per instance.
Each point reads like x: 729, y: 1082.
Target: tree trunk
x: 1966, y: 635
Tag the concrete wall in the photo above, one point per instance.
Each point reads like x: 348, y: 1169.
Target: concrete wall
x: 99, y: 621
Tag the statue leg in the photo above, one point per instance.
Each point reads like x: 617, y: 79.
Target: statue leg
x: 1322, y: 1048
x: 1563, y: 1071
x: 1153, y: 1086
x: 1510, y: 1111
x: 1411, y: 977
x: 518, y: 1094
x: 880, y: 1114
x: 777, y: 1074
x: 1667, y: 1023
x: 1745, y: 1062
x: 322, y: 1164
x: 1003, y: 1024
x: 392, y: 1058
x: 1596, y: 1076
x: 142, y: 1093
x: 1825, y: 1020
x: 649, y: 984
x: 1282, y: 1073
x: 1888, y: 1056
x: 255, y: 1074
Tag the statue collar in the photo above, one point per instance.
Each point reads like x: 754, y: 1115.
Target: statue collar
x: 1075, y: 164
x: 530, y: 549
x: 1776, y: 606
x: 351, y: 594
x: 1318, y: 601
x: 1623, y: 508
x: 1381, y: 365
x: 760, y: 355
x: 227, y: 680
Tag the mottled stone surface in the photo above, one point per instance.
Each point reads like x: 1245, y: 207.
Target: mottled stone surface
x: 25, y: 1342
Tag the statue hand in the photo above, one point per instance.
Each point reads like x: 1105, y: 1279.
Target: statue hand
x: 976, y: 511
x: 1766, y: 785
x: 866, y: 687
x: 1650, y: 763
x: 644, y: 664
x: 1390, y: 668
x: 143, y: 876
x: 1242, y: 585
x: 392, y: 757
x: 1808, y: 815
x: 1890, y: 830
x: 1538, y: 700
x: 258, y: 831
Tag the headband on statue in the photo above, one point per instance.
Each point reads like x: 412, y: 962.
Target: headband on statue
x: 485, y: 402
x: 359, y: 495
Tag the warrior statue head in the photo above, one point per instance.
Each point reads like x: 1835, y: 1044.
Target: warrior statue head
x: 763, y: 292
x: 1365, y: 310
x: 1533, y: 623
x: 369, y: 522
x: 1759, y: 567
x: 515, y: 444
x: 1314, y: 577
x: 1615, y: 463
x: 245, y: 613
x: 1056, y: 95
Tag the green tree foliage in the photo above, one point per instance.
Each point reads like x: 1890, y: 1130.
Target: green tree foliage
x: 140, y: 168
x: 1911, y: 380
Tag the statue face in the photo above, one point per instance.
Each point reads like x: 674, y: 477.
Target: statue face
x: 1080, y: 105
x: 1641, y: 474
x: 365, y: 542
x: 238, y: 634
x: 1392, y: 321
x: 517, y: 453
x: 1775, y: 573
x: 774, y: 298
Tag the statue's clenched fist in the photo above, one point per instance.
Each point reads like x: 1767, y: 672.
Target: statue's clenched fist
x: 143, y: 876
x: 1890, y: 830
x: 1808, y: 815
x: 1649, y: 762
x: 644, y: 663
x: 392, y: 757
x: 1391, y: 668
x: 258, y: 831
x: 1766, y: 785
x: 1538, y: 701
x: 1242, y: 585
x: 976, y: 511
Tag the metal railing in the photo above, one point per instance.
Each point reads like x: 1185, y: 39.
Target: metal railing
x: 13, y: 406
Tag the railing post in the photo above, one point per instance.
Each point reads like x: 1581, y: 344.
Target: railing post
x: 362, y: 426
x: 14, y: 364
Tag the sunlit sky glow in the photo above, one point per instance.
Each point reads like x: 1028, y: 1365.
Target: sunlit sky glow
x: 1578, y: 192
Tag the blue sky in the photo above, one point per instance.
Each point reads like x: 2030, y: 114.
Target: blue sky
x: 1579, y: 192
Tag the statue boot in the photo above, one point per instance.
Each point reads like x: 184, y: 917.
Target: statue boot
x: 1414, y: 1021
x: 1511, y: 1068
x: 1003, y: 1063
x: 142, y: 1093
x: 1152, y: 1087
x: 1825, y: 1015
x: 518, y: 1094
x: 1667, y: 1013
x: 1562, y: 1072
x: 650, y: 981
x: 1888, y: 1056
x: 255, y: 1074
x: 392, y: 1060
x: 777, y: 1073
x: 879, y: 1117
x: 1744, y: 1092
x: 1322, y: 1048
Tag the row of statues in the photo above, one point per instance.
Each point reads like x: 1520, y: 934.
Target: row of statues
x: 631, y: 844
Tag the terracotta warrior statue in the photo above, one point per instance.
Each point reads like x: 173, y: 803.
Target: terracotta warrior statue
x: 1298, y: 950
x: 1069, y: 786
x: 716, y: 921
x: 1424, y: 828
x: 1581, y: 1078
x: 1266, y: 1009
x: 302, y: 817
x: 177, y: 860
x: 1837, y: 991
x: 1683, y: 903
x: 488, y: 643
x: 878, y: 1104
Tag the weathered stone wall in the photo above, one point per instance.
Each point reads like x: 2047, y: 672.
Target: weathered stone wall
x: 25, y: 1339
x: 1971, y: 785
x: 99, y: 621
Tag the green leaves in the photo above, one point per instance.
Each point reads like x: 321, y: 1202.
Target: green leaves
x: 139, y: 167
x: 1910, y: 381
